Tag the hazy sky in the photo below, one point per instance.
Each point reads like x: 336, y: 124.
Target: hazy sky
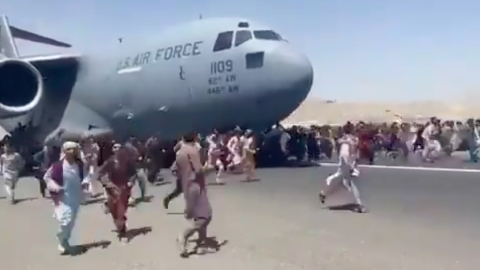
x: 360, y: 49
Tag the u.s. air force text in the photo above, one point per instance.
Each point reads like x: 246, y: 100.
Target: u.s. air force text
x: 162, y: 54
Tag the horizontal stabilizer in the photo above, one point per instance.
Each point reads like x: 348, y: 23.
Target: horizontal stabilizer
x: 8, y: 33
x: 26, y: 35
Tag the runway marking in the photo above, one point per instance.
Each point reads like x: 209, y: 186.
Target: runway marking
x: 431, y: 169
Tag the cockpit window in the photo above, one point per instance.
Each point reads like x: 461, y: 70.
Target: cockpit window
x: 266, y: 35
x: 254, y: 60
x: 242, y: 37
x: 224, y: 41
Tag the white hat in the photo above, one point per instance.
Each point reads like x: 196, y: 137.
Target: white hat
x: 70, y: 145
x: 67, y: 146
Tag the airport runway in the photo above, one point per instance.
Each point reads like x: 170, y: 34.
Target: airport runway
x: 418, y: 220
x: 458, y: 160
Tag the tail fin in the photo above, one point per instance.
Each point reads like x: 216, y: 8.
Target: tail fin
x: 7, y: 43
x: 8, y: 46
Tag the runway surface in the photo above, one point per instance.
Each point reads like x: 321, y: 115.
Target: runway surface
x: 418, y: 220
x: 458, y: 160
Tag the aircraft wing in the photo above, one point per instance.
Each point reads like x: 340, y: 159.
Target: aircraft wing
x: 59, y: 73
x: 60, y: 135
x: 78, y: 121
x: 53, y: 61
x: 3, y: 133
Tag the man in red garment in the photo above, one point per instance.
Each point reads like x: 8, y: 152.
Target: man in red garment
x: 119, y: 169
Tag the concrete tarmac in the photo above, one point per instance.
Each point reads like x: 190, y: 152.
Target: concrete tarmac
x: 458, y: 160
x: 418, y: 220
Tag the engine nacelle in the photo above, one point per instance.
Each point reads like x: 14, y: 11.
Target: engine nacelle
x: 21, y: 87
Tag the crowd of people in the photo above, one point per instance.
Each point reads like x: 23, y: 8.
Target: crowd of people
x: 397, y: 140
x: 67, y: 171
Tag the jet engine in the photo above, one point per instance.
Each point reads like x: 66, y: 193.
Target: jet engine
x: 21, y: 87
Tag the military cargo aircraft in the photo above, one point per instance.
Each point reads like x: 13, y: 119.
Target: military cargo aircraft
x: 206, y: 74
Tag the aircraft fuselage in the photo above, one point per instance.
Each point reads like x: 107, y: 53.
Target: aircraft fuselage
x: 185, y: 83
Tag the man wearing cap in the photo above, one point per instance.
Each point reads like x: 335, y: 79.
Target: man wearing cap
x: 66, y: 179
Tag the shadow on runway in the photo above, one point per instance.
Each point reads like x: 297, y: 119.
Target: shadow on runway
x: 161, y: 183
x: 84, y: 248
x: 146, y: 199
x: 250, y: 181
x: 21, y: 200
x: 210, y: 246
x: 134, y: 233
x: 351, y: 207
x: 94, y: 201
x: 175, y: 213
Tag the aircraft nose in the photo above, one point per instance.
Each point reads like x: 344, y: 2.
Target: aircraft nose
x: 296, y: 72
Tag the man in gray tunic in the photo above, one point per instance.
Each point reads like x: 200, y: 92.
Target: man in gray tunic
x: 197, y: 205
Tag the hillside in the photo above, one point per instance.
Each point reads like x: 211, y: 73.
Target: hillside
x: 320, y: 111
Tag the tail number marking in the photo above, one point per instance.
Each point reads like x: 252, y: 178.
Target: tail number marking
x: 220, y: 67
x: 222, y: 79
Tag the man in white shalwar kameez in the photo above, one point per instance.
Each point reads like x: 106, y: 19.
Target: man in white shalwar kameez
x: 432, y: 144
x: 91, y: 152
x: 235, y: 149
x: 213, y: 156
x: 66, y: 180
x: 346, y: 173
x: 11, y: 164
